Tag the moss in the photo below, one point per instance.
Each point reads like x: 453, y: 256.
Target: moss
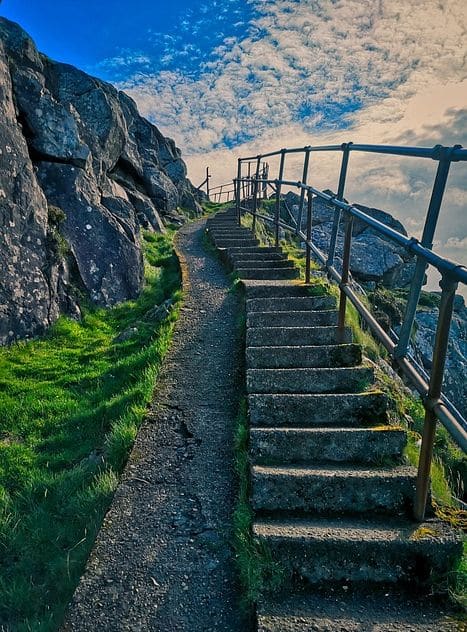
x: 55, y: 215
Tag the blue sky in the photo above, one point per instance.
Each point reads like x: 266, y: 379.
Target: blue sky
x: 233, y: 77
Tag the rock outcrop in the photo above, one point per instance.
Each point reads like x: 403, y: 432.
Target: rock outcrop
x: 374, y: 259
x: 81, y: 172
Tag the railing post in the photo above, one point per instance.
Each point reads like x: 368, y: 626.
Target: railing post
x: 345, y: 273
x: 448, y: 293
x: 278, y: 197
x: 302, y: 192
x: 237, y: 188
x: 255, y: 193
x: 340, y: 196
x: 265, y: 184
x: 207, y: 182
x: 431, y: 220
x: 309, y: 219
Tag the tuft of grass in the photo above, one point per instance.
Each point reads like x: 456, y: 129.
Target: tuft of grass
x: 71, y: 404
x: 258, y: 571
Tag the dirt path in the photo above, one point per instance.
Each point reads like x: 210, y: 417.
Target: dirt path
x: 162, y: 560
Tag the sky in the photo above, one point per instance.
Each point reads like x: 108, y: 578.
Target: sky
x: 229, y: 78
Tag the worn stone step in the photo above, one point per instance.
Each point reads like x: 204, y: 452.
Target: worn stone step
x: 230, y: 231
x: 340, y: 445
x: 321, y: 380
x: 289, y: 336
x: 303, y: 357
x: 306, y: 318
x: 332, y: 409
x: 258, y: 289
x: 332, y: 489
x: 258, y: 256
x: 292, y: 304
x: 222, y: 226
x: 239, y: 243
x: 263, y: 263
x: 267, y: 273
x: 223, y: 221
x: 355, y: 608
x: 235, y: 250
x: 351, y: 550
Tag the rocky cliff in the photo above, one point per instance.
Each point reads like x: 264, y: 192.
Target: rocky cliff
x: 80, y: 173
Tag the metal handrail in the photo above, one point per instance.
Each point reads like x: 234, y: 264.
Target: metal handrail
x: 451, y: 273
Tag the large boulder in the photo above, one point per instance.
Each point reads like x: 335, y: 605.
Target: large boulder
x: 81, y: 172
x: 374, y: 257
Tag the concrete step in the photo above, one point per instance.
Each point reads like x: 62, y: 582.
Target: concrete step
x: 258, y: 256
x: 267, y: 273
x: 303, y: 357
x: 306, y: 318
x: 318, y: 410
x: 355, y: 608
x: 218, y: 231
x: 277, y: 290
x: 332, y: 489
x: 339, y: 445
x: 235, y: 250
x: 290, y: 336
x: 292, y: 304
x: 323, y: 380
x: 247, y: 242
x: 353, y: 550
x: 263, y: 263
x: 223, y: 221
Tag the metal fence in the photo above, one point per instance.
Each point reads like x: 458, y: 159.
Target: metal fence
x: 252, y: 184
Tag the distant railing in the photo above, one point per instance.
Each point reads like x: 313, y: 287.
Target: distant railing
x: 247, y: 193
x: 226, y: 192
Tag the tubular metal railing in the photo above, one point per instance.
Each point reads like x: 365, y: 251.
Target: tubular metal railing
x: 247, y: 188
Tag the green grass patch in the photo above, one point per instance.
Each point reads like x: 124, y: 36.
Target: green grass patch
x: 71, y: 405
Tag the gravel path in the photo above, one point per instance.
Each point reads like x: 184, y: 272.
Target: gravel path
x: 162, y: 560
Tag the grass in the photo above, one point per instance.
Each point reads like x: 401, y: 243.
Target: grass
x: 71, y: 405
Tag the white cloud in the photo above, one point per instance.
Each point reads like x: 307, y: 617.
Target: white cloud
x: 322, y: 71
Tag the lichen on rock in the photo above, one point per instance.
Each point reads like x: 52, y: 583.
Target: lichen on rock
x: 72, y: 142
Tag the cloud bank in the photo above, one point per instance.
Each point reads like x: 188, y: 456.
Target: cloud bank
x: 319, y: 71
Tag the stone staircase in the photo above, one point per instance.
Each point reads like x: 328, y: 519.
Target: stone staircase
x: 331, y: 493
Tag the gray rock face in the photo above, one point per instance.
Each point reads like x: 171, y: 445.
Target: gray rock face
x: 455, y: 380
x: 373, y: 258
x: 80, y: 173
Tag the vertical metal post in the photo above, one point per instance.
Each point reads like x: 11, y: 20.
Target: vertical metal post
x: 248, y: 186
x: 302, y: 192
x: 265, y: 184
x: 431, y: 220
x: 237, y: 189
x: 278, y: 197
x: 345, y: 273
x: 340, y: 196
x: 255, y: 193
x: 309, y: 219
x: 448, y: 288
x: 207, y: 181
